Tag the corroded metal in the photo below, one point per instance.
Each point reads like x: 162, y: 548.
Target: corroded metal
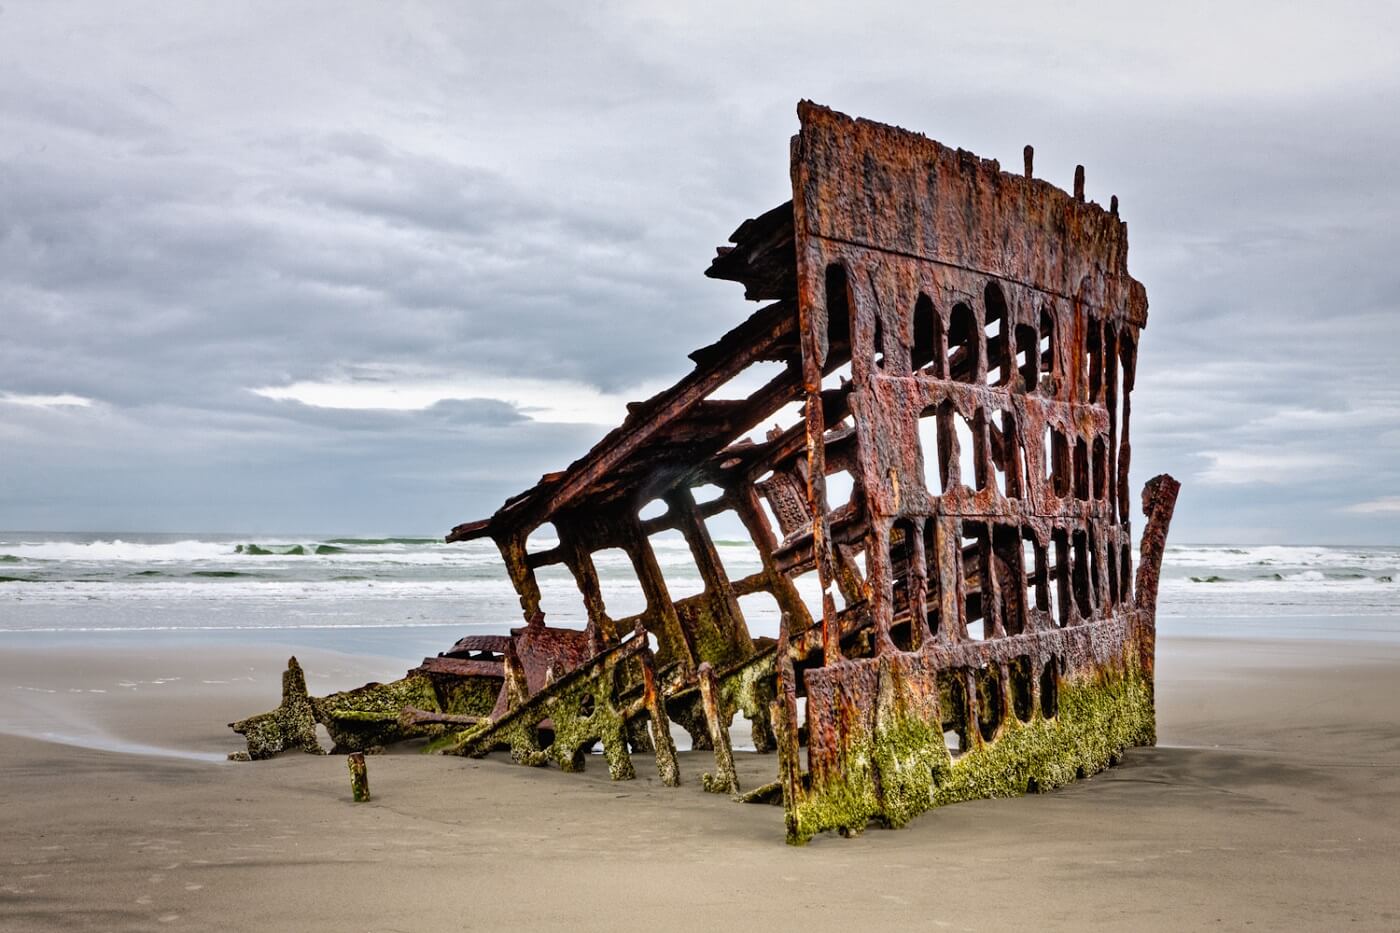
x: 962, y: 345
x: 359, y: 777
x: 423, y: 703
x: 724, y: 780
x: 291, y: 726
x: 585, y: 707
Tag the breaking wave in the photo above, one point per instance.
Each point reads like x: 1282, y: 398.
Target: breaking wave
x: 188, y: 582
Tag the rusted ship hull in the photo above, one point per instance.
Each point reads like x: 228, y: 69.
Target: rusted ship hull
x: 962, y: 345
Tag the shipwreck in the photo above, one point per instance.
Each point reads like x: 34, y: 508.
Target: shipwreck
x: 960, y: 341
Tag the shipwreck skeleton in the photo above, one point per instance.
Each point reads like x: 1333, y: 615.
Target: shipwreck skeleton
x: 962, y: 342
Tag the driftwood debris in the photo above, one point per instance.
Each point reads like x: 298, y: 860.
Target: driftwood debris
x: 961, y: 343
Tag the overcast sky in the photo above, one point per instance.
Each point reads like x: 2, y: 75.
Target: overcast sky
x: 370, y: 268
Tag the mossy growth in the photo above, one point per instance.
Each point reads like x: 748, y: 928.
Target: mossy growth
x: 712, y: 637
x: 907, y: 752
x: 359, y: 777
x: 903, y: 767
x: 469, y: 696
x: 369, y: 715
x: 745, y: 688
x: 1098, y: 718
x: 363, y: 718
x: 885, y: 773
x: 292, y: 725
x: 582, y: 710
x: 748, y: 688
x: 584, y: 717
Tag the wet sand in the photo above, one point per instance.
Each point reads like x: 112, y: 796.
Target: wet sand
x: 1273, y: 801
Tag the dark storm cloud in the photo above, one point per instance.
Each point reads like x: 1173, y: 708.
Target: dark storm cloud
x: 198, y: 204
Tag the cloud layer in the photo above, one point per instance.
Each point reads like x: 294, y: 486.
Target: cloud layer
x: 372, y: 268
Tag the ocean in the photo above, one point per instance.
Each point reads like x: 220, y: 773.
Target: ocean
x: 410, y: 596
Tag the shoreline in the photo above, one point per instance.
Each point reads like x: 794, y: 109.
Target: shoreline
x: 1271, y: 799
x: 116, y: 702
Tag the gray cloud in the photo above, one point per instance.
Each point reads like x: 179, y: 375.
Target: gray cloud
x: 198, y: 203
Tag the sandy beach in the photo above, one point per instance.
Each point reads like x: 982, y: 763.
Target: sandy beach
x: 1273, y: 801
x: 985, y: 399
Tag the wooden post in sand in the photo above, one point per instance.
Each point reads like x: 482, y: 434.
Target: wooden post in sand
x: 359, y: 778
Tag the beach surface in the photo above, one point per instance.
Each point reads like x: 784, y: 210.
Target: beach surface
x: 1272, y: 802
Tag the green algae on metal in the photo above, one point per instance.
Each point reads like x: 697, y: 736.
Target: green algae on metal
x: 356, y: 720
x: 292, y: 725
x: 905, y: 768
